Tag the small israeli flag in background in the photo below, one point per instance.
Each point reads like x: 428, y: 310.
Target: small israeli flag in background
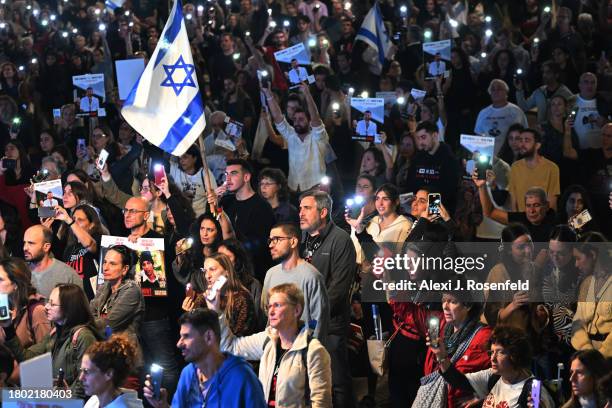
x: 374, y: 33
x: 165, y: 105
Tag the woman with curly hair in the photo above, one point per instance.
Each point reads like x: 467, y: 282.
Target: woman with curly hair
x: 104, y: 368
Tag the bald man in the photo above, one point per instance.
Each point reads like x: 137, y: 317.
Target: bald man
x: 47, y: 272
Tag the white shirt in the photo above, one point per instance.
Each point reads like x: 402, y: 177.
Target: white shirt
x: 50, y: 203
x: 368, y: 128
x: 496, y: 121
x: 307, y: 157
x: 436, y: 68
x: 589, y: 133
x: 297, y: 75
x: 502, y: 394
x: 90, y: 106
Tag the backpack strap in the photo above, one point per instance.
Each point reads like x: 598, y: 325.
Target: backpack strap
x: 493, y: 379
x: 525, y: 393
x: 75, y: 337
x: 305, y: 364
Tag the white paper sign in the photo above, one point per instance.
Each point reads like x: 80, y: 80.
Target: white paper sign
x: 37, y: 372
x: 298, y: 52
x: 128, y: 72
x: 375, y: 105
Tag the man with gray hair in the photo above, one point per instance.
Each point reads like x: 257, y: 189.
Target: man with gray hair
x: 495, y: 119
x: 330, y: 249
x: 538, y: 217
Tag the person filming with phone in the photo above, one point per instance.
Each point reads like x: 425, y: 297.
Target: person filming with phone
x: 211, y: 378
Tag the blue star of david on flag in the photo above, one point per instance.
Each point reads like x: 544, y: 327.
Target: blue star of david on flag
x: 188, y: 81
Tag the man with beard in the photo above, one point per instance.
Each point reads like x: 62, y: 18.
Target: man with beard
x: 211, y: 378
x: 246, y: 213
x: 330, y: 249
x: 532, y: 170
x: 47, y: 271
x: 307, y: 141
x: 284, y: 244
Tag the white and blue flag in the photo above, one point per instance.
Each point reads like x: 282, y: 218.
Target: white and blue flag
x: 374, y: 33
x: 165, y: 105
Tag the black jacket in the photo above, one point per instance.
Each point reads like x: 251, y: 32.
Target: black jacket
x: 333, y: 254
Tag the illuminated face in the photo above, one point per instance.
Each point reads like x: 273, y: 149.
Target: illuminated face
x: 310, y: 218
x: 384, y: 205
x: 113, y: 268
x: 455, y: 312
x: 208, y: 232
x: 535, y: 209
x: 582, y: 381
x: 212, y: 271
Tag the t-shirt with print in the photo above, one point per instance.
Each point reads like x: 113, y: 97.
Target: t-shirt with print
x: 502, y: 395
x: 585, y: 126
x: 495, y: 122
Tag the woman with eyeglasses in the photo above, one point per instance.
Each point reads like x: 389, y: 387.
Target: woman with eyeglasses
x: 274, y: 189
x: 104, y: 369
x: 592, y: 325
x: 295, y: 368
x: 74, y: 330
x: 235, y: 301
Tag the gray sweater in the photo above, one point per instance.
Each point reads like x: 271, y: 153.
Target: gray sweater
x: 57, y: 272
x: 310, y: 281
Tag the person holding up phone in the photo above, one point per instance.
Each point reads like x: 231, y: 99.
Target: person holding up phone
x: 508, y: 383
x: 212, y: 378
x: 235, y: 299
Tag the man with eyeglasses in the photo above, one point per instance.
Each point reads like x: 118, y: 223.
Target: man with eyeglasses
x: 246, y: 213
x: 155, y: 329
x: 284, y: 244
x: 47, y: 271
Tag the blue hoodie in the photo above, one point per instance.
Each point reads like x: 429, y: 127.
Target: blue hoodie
x: 234, y: 385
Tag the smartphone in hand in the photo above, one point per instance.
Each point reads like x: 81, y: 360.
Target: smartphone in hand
x: 433, y: 203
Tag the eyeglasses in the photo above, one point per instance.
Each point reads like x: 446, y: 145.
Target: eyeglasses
x: 132, y: 211
x: 145, y: 189
x: 274, y: 240
x: 50, y: 303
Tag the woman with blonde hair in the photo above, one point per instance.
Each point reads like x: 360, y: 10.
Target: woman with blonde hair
x: 235, y: 300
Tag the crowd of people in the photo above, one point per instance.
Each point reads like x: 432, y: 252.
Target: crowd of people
x: 274, y: 222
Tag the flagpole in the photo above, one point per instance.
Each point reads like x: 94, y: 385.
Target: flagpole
x: 207, y: 183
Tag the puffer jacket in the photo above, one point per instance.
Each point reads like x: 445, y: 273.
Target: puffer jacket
x: 291, y: 377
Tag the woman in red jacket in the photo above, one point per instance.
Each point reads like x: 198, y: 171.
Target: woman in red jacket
x: 466, y: 339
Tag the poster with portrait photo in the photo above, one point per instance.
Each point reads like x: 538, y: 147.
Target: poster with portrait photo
x: 49, y: 194
x: 477, y: 151
x: 436, y: 56
x: 295, y: 63
x: 148, y: 258
x: 367, y: 117
x: 89, y: 94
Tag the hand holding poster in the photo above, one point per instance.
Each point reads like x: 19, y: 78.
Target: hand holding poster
x: 367, y: 114
x: 436, y: 55
x: 149, y: 266
x: 48, y: 194
x: 480, y: 152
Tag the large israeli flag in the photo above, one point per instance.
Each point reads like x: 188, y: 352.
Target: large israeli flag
x: 374, y: 33
x: 165, y: 105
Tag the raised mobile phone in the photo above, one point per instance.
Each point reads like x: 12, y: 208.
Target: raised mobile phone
x: 482, y: 165
x: 102, y: 157
x: 159, y: 173
x: 536, y: 386
x: 433, y: 329
x: 433, y: 203
x: 5, y: 311
x: 9, y: 163
x: 354, y: 206
x: 157, y: 373
x: 216, y: 286
x: 189, y: 292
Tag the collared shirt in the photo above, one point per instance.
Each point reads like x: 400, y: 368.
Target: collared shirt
x: 307, y: 157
